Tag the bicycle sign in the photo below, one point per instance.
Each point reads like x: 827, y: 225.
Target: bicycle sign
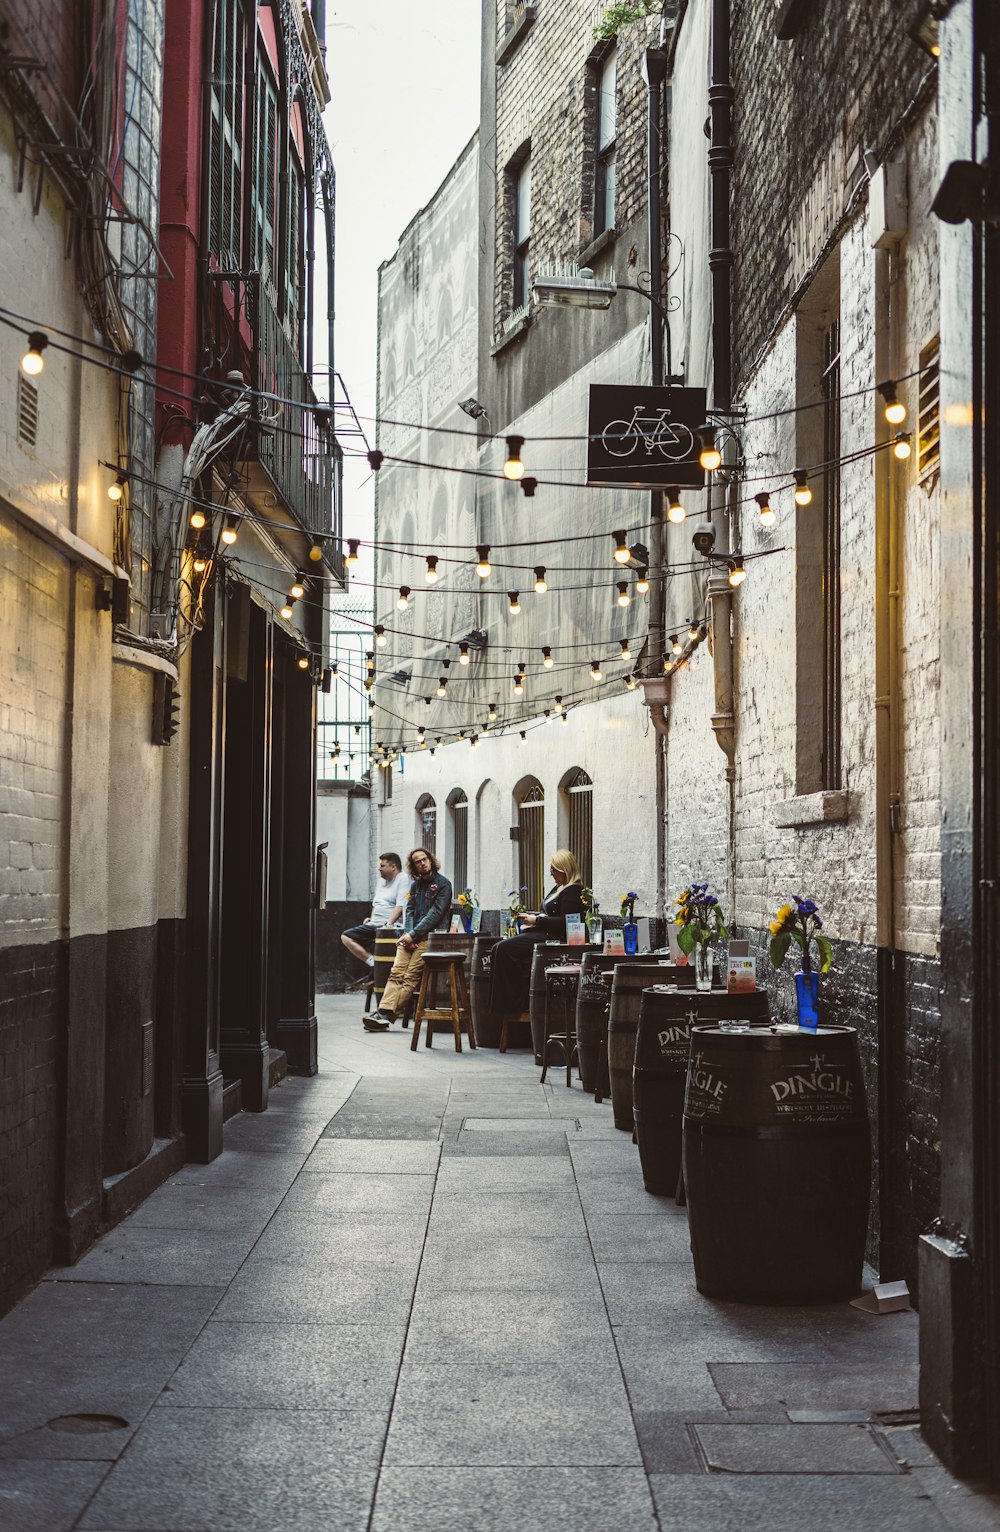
x: 645, y: 437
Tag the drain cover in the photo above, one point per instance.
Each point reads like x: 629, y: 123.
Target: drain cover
x: 85, y: 1425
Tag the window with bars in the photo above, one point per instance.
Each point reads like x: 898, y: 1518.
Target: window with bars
x: 426, y: 811
x: 265, y: 178
x: 293, y: 250
x: 929, y: 416
x: 606, y: 169
x: 579, y: 792
x: 831, y: 715
x: 226, y: 135
x: 521, y: 233
x: 530, y: 844
x: 27, y: 411
x: 458, y: 808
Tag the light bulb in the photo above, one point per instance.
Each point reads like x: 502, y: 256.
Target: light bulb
x: 675, y: 644
x: 473, y: 741
x: 709, y: 457
x: 463, y: 654
x: 484, y: 567
x: 558, y: 704
x: 624, y: 599
x: 675, y: 511
x: 547, y: 660
x: 303, y: 662
x: 431, y: 572
x: 765, y: 511
x: 298, y: 590
x: 540, y: 585
x: 514, y: 598
x: 286, y: 611
x: 642, y: 582
x: 493, y: 712
x: 316, y: 552
x: 33, y: 362
x: 894, y: 409
x: 513, y: 468
x: 380, y: 637
x: 369, y: 661
x: 442, y: 687
x: 197, y: 518
x: 596, y: 673
x: 518, y: 686
x: 565, y: 717
x: 229, y: 530
x: 803, y: 494
x: 547, y: 715
x: 351, y: 556
x: 200, y: 563
x: 737, y: 574
x: 621, y: 554
x: 630, y: 683
x: 694, y: 631
x: 626, y: 653
x: 117, y: 489
x: 403, y: 600
x: 524, y: 737
x: 901, y: 446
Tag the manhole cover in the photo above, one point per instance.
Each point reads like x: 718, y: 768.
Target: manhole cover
x: 84, y: 1425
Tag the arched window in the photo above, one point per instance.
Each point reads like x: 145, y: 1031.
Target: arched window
x: 530, y: 800
x: 458, y: 813
x: 579, y: 797
x: 426, y: 811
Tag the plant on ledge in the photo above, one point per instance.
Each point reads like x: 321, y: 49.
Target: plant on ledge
x: 622, y: 15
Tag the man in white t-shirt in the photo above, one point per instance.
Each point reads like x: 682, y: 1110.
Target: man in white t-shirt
x: 387, y: 910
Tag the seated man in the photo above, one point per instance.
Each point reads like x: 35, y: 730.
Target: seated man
x: 428, y: 908
x: 387, y: 910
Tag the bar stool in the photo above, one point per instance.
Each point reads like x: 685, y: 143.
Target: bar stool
x: 448, y: 965
x: 524, y: 1018
x: 560, y: 989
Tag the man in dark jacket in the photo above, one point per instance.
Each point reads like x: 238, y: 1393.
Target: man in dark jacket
x: 427, y: 909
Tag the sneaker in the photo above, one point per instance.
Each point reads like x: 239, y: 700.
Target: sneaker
x: 370, y: 1024
x: 387, y: 1016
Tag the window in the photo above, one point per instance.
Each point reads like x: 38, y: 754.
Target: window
x: 458, y: 809
x: 226, y: 135
x: 293, y: 249
x: 27, y: 411
x: 604, y: 190
x: 265, y: 172
x: 830, y: 741
x: 426, y: 811
x: 530, y: 841
x: 929, y: 419
x: 521, y: 231
x: 579, y: 790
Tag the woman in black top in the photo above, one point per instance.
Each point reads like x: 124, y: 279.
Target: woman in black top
x: 510, y: 969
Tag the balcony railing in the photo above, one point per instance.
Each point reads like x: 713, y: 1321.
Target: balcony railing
x: 298, y: 452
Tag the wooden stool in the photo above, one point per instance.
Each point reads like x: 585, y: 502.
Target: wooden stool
x: 524, y: 1017
x: 459, y: 1011
x: 561, y: 985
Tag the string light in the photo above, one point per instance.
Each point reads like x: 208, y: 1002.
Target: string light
x: 316, y: 551
x: 351, y: 556
x: 894, y: 409
x: 33, y: 362
x: 514, y: 598
x: 626, y: 653
x: 642, y: 582
x: 286, y: 611
x: 484, y: 567
x: 675, y: 511
x: 197, y: 518
x: 431, y: 572
x: 547, y: 715
x: 369, y: 661
x: 675, y: 644
x: 737, y: 574
x: 541, y: 585
x: 709, y: 457
x: 564, y: 716
x: 442, y: 687
x: 624, y: 599
x: 694, y: 631
x: 765, y: 512
x: 524, y: 737
x: 668, y: 664
x: 117, y: 489
x: 621, y: 554
x: 528, y: 486
x: 803, y: 494
x: 303, y: 662
x: 463, y: 653
x: 547, y: 660
x: 513, y: 468
x: 473, y: 741
x: 298, y: 590
x: 519, y: 684
x: 200, y: 563
x: 380, y: 636
x: 901, y: 445
x: 629, y: 682
x: 596, y: 674
x: 375, y: 459
x: 493, y: 712
x: 557, y: 704
x: 403, y: 600
x: 229, y: 530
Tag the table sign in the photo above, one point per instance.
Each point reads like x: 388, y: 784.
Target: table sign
x: 576, y: 936
x: 614, y: 943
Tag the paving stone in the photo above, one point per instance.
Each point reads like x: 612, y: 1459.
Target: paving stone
x: 516, y: 1414
x: 253, y: 1133
x: 528, y: 1264
x: 508, y: 1145
x: 345, y: 1238
x: 208, y: 1207
x: 317, y: 1195
x: 789, y: 1449
x: 529, y: 1173
x: 237, y: 1167
x: 806, y: 1386
x: 45, y: 1497
x: 963, y: 1507
x: 381, y: 1125
x: 130, y: 1253
x: 636, y: 1237
x: 454, y: 1327
x: 242, y: 1471
x: 792, y: 1503
x: 336, y: 1294
x: 284, y: 1365
x: 530, y: 1125
x: 507, y: 1215
x: 333, y: 1156
x: 497, y: 1499
x: 666, y: 1442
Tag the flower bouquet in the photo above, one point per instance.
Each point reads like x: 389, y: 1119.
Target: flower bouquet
x: 701, y: 925
x: 592, y: 919
x: 800, y: 922
x: 516, y: 907
x: 629, y: 928
x: 468, y: 904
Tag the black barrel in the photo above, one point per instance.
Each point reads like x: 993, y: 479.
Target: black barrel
x: 485, y: 1025
x: 666, y: 1017
x: 592, y: 1002
x: 545, y: 955
x: 629, y: 981
x: 777, y: 1164
x: 386, y: 942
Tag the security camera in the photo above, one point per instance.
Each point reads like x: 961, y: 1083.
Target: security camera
x: 704, y: 540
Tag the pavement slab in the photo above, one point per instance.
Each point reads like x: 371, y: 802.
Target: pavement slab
x: 802, y: 1385
x: 50, y: 1496
x: 497, y: 1499
x: 796, y: 1503
x: 793, y: 1449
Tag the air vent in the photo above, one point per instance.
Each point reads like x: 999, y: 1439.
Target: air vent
x: 27, y: 411
x: 929, y: 415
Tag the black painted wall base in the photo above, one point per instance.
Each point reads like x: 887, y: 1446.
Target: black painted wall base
x: 299, y: 1039
x: 201, y: 1114
x: 123, y: 1193
x: 250, y: 1064
x: 951, y: 1411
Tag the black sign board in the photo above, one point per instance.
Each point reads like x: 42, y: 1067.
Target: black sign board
x: 645, y: 437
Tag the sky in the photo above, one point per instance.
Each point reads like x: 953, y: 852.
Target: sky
x: 405, y: 83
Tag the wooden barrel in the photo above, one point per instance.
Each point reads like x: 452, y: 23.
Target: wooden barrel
x: 386, y: 942
x: 777, y: 1164
x: 545, y: 955
x: 629, y: 981
x: 666, y: 1019
x: 485, y: 1024
x: 454, y: 941
x: 592, y: 1002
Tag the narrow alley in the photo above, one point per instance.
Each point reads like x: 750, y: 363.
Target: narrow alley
x: 423, y: 1293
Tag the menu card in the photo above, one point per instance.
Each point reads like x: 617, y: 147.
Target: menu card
x: 614, y: 942
x: 576, y: 936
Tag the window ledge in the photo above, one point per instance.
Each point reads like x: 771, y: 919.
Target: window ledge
x: 812, y: 809
x: 501, y: 342
x: 597, y: 247
x: 516, y: 34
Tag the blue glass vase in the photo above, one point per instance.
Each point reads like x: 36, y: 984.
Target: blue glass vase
x: 467, y: 922
x: 807, y: 998
x: 630, y: 931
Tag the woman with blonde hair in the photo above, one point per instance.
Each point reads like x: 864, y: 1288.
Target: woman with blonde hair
x: 510, y: 969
